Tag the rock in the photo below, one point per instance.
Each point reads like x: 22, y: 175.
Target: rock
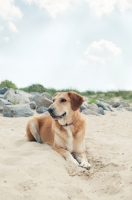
x: 32, y: 105
x: 46, y: 95
x: 1, y: 96
x: 39, y: 98
x: 1, y: 109
x: 119, y: 108
x: 92, y: 106
x: 17, y: 97
x: 129, y: 109
x: 17, y: 110
x: 35, y: 93
x: 36, y: 98
x: 125, y: 104
x: 44, y: 102
x: 104, y: 105
x: 100, y: 111
x: 9, y: 91
x: 46, y: 113
x: 82, y: 107
x: 23, y: 93
x: 3, y: 90
x: 4, y: 102
x: 41, y: 109
x: 89, y: 112
x: 115, y: 104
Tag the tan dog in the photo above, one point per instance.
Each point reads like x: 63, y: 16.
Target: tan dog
x: 64, y: 129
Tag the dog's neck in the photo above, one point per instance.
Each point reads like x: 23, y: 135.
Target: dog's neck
x: 69, y: 120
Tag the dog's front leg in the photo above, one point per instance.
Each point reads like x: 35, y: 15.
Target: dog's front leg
x: 82, y: 159
x: 66, y: 154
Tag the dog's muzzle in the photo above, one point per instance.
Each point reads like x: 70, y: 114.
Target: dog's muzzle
x: 51, y: 110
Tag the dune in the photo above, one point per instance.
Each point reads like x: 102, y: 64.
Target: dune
x: 29, y: 170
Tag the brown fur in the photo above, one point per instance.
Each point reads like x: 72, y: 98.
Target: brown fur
x: 64, y: 139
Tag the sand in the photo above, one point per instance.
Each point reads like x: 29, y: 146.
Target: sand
x: 33, y: 171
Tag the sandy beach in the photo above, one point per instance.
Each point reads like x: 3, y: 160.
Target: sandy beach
x: 29, y: 170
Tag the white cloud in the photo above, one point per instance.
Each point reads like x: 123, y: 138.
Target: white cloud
x: 112, y: 87
x: 8, y: 10
x: 105, y: 7
x: 1, y: 27
x: 101, y: 51
x: 6, y: 39
x: 12, y: 27
x: 52, y: 6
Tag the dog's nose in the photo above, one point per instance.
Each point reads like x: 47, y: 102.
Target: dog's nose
x: 51, y: 109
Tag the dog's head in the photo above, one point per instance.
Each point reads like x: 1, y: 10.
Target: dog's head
x: 64, y: 103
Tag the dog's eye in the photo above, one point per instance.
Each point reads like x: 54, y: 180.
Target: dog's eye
x: 63, y: 100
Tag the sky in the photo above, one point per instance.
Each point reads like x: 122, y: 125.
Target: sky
x: 76, y: 44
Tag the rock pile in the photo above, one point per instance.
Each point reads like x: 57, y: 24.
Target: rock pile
x: 17, y: 103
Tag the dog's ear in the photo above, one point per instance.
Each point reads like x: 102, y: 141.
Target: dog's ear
x: 76, y: 100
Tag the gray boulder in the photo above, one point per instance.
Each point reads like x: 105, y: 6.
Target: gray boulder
x: 36, y: 98
x: 1, y: 109
x: 82, y: 107
x: 129, y: 109
x: 3, y: 90
x: 125, y: 104
x: 35, y: 93
x: 119, y: 108
x: 17, y: 110
x: 92, y: 106
x: 115, y: 104
x: 89, y: 112
x: 1, y: 96
x: 8, y: 92
x: 17, y: 97
x: 32, y: 105
x: 4, y: 102
x: 100, y: 111
x: 41, y: 109
x: 23, y: 93
x: 44, y: 102
x: 46, y: 95
x: 39, y: 99
x: 104, y: 105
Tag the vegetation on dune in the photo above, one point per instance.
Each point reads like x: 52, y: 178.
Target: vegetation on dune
x: 8, y: 84
x: 92, y: 95
x: 35, y: 88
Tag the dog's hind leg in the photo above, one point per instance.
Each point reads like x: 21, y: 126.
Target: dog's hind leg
x: 32, y: 132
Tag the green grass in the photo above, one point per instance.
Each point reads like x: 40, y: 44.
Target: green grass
x: 90, y: 94
x: 92, y: 100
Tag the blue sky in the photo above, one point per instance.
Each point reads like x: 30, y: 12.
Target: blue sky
x: 81, y: 44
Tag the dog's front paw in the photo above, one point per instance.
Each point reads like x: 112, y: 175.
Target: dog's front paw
x: 85, y: 164
x: 72, y: 160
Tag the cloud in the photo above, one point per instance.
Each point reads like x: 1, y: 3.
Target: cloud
x: 101, y: 7
x: 8, y: 11
x: 12, y: 27
x: 52, y: 6
x: 1, y: 27
x: 102, y: 51
x: 112, y: 87
x: 6, y: 39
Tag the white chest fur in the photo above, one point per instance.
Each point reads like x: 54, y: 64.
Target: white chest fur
x: 69, y: 144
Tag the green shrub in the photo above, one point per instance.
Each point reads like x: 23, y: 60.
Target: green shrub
x: 8, y: 84
x: 92, y: 101
x: 35, y: 88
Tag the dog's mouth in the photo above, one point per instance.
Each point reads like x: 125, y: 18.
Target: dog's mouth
x: 58, y: 117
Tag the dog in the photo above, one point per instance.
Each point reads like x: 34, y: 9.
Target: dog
x: 64, y: 128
